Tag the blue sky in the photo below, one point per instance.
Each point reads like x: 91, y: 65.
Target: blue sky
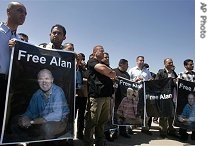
x: 156, y: 29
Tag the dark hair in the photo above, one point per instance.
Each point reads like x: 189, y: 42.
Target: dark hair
x: 83, y: 55
x: 23, y: 34
x: 60, y: 26
x: 43, y: 44
x: 146, y: 65
x: 123, y: 61
x: 187, y: 61
x: 106, y: 53
x: 139, y: 57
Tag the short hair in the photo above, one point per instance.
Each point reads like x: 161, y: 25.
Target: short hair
x: 45, y: 70
x: 146, y: 65
x: 83, y: 55
x: 59, y: 26
x: 65, y: 44
x: 167, y: 59
x: 187, y: 61
x: 96, y: 48
x: 139, y: 57
x: 23, y: 34
x: 43, y: 45
x: 106, y: 53
x: 123, y: 61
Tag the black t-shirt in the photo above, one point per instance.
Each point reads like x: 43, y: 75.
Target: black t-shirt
x: 99, y: 84
x: 121, y: 91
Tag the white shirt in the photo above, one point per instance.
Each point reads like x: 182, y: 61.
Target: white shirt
x: 136, y: 72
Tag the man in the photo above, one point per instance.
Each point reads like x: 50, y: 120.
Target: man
x: 68, y: 47
x: 188, y: 75
x: 81, y: 91
x: 106, y: 59
x: 57, y: 36
x: 140, y: 74
x: 100, y: 91
x: 47, y: 114
x: 120, y: 93
x: 23, y: 37
x: 16, y: 14
x: 166, y: 127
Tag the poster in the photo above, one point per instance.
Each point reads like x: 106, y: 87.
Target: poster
x: 185, y: 110
x: 40, y: 95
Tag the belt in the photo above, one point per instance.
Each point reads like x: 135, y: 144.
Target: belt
x: 3, y: 76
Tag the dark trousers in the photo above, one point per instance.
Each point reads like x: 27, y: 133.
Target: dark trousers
x: 81, y: 107
x: 166, y: 124
x: 122, y: 129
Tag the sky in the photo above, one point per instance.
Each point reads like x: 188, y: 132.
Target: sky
x: 155, y: 29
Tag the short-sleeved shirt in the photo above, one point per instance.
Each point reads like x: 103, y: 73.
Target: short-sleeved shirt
x: 99, y: 84
x: 5, y: 51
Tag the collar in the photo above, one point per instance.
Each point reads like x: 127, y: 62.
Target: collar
x: 168, y: 70
x: 4, y: 27
x: 187, y: 72
x: 50, y: 92
x: 50, y: 46
x: 137, y: 68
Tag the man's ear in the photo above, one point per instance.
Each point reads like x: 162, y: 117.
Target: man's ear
x: 64, y: 37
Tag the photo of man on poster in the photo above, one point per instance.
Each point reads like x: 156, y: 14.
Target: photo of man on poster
x: 47, y: 114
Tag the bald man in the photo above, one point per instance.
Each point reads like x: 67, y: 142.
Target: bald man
x: 16, y: 14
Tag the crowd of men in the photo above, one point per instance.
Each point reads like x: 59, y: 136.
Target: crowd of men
x: 94, y: 81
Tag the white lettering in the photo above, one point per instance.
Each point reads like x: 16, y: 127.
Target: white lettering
x: 31, y: 57
x: 185, y: 87
x: 61, y: 63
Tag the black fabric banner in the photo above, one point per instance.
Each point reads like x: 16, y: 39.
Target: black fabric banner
x: 27, y: 60
x: 185, y: 108
x: 159, y: 98
x: 125, y: 109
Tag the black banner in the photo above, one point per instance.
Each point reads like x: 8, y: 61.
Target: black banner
x: 26, y: 63
x: 126, y: 109
x: 159, y: 98
x: 185, y: 105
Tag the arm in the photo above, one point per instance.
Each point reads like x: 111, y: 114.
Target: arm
x: 103, y: 69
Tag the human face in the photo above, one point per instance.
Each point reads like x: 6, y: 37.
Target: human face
x: 106, y: 59
x: 57, y: 36
x: 100, y: 53
x: 45, y: 81
x: 191, y: 99
x: 189, y: 66
x: 140, y: 62
x: 124, y: 66
x: 169, y: 64
x: 17, y: 14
